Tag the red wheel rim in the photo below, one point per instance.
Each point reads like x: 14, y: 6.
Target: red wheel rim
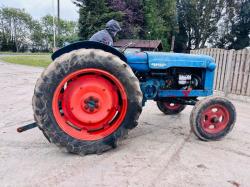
x: 89, y: 104
x: 215, y: 119
x: 172, y: 106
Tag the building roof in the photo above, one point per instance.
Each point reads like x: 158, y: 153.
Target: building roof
x: 143, y: 44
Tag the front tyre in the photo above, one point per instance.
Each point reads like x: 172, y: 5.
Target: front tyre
x: 86, y: 100
x: 212, y: 118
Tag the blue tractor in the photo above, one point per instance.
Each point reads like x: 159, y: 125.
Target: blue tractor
x: 92, y: 95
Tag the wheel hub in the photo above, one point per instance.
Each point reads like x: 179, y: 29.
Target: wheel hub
x: 215, y: 119
x: 91, y: 104
x: 88, y: 101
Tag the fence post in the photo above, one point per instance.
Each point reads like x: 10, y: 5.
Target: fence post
x: 229, y: 71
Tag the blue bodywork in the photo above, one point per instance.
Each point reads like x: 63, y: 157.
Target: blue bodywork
x: 156, y: 70
x: 144, y: 62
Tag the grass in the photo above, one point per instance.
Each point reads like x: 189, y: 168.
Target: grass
x: 20, y: 53
x: 36, y: 60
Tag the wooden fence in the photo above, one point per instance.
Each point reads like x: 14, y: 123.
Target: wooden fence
x: 232, y: 74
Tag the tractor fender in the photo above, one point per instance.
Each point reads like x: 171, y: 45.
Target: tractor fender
x: 88, y: 45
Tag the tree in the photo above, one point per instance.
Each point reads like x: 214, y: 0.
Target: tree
x: 233, y: 30
x: 37, y: 37
x: 182, y: 35
x: 198, y: 20
x: 15, y: 26
x: 154, y: 24
x: 167, y: 9
x: 20, y: 32
x: 144, y: 19
x: 48, y: 30
x: 68, y: 31
x: 222, y: 37
x: 159, y: 20
x: 241, y: 29
x: 93, y: 16
x: 132, y: 17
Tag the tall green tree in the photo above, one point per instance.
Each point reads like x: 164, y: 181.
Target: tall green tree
x: 15, y: 27
x: 154, y: 24
x: 37, y: 36
x: 198, y: 20
x: 93, y: 16
x: 234, y: 28
x: 48, y: 30
x: 19, y: 31
x: 241, y: 29
x: 132, y: 17
x: 223, y: 36
x: 68, y: 31
x: 160, y: 20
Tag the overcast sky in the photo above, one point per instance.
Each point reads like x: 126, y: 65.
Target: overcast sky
x: 40, y: 8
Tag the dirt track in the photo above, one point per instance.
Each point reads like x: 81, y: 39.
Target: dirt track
x: 160, y: 152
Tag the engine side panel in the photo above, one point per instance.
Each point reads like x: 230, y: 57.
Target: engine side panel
x: 138, y: 61
x: 161, y: 60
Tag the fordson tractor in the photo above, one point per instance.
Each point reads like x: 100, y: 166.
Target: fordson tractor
x: 91, y: 95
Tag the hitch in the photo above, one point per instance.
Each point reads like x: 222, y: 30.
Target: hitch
x: 26, y: 127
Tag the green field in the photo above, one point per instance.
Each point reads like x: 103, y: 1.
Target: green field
x: 35, y: 60
x: 20, y: 53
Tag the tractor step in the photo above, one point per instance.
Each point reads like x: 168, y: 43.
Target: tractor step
x: 26, y: 127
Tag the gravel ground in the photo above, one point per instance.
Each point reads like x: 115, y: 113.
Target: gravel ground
x: 160, y: 152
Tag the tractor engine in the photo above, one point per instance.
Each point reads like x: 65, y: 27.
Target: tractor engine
x: 180, y: 79
x: 170, y: 79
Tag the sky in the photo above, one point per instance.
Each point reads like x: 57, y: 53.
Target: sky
x: 40, y: 8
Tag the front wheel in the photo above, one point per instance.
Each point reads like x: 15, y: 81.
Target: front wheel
x: 86, y: 100
x: 169, y: 108
x: 212, y: 118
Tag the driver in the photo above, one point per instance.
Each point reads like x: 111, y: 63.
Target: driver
x: 108, y: 34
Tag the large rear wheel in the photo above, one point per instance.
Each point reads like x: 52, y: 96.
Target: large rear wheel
x: 86, y: 100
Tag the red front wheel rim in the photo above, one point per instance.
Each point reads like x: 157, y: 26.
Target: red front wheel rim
x: 215, y: 119
x: 89, y: 104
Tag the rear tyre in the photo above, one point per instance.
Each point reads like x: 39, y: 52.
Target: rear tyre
x: 170, y: 108
x: 212, y: 118
x: 86, y: 100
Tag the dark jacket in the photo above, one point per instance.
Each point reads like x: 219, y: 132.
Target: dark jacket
x: 107, y: 35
